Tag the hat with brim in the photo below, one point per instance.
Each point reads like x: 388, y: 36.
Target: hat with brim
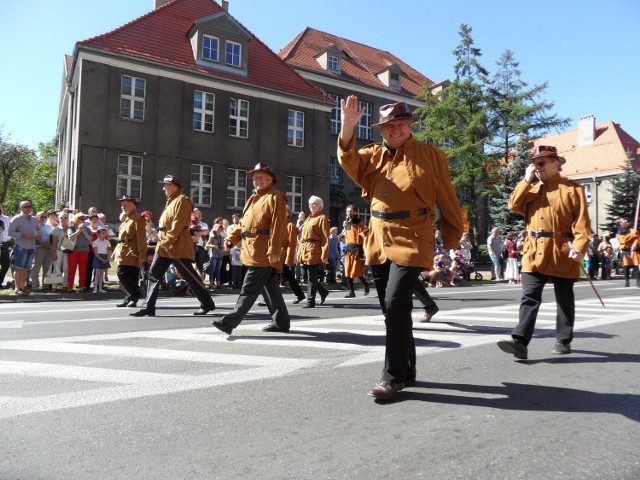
x: 80, y: 215
x: 548, y: 152
x: 394, y: 111
x: 172, y: 180
x: 262, y: 167
x: 127, y: 198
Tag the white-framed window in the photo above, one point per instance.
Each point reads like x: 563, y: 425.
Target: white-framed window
x: 233, y: 53
x: 132, y: 93
x: 203, y: 104
x: 334, y: 125
x: 364, y: 127
x: 336, y: 174
x: 333, y: 63
x: 129, y: 181
x: 236, y: 188
x: 238, y: 118
x: 364, y: 213
x: 394, y: 80
x: 201, y: 184
x: 587, y: 192
x: 210, y: 48
x: 295, y: 128
x: 294, y: 193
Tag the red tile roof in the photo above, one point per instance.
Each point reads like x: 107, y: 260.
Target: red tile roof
x: 605, y: 156
x: 161, y: 37
x: 360, y: 63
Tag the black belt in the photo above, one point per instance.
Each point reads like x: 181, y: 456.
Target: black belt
x: 308, y: 241
x: 162, y: 229
x: 260, y: 231
x: 384, y: 215
x: 536, y: 234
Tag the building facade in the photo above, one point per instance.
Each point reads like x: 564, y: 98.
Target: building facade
x: 186, y: 90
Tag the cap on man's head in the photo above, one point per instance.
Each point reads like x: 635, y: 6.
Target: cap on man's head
x: 263, y: 167
x: 173, y: 180
x: 546, y: 151
x: 128, y: 198
x: 394, y: 111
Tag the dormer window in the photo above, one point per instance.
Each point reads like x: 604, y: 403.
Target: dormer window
x: 391, y: 77
x: 210, y: 48
x: 333, y: 63
x: 220, y: 43
x: 233, y: 53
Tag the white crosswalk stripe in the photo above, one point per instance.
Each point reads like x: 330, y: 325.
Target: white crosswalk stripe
x: 94, y: 369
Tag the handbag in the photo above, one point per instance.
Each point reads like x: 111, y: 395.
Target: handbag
x: 67, y: 245
x: 53, y: 277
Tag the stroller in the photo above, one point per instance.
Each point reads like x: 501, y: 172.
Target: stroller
x: 466, y: 269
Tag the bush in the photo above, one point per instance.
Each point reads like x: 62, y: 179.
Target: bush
x: 480, y: 255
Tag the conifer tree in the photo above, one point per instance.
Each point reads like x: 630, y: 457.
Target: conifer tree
x: 624, y: 194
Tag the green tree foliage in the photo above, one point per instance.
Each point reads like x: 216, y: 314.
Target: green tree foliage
x: 23, y: 175
x: 514, y: 110
x: 624, y: 193
x: 506, y: 179
x: 455, y: 119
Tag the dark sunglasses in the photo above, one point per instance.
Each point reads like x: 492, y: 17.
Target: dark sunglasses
x: 26, y: 206
x: 542, y: 163
x: 42, y: 216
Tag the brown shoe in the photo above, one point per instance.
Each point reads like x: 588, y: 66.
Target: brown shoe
x: 386, y: 390
x: 428, y: 314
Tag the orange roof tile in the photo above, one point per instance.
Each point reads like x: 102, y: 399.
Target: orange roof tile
x: 361, y: 63
x: 605, y: 156
x: 161, y: 36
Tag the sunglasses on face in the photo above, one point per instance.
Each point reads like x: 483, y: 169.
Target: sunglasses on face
x: 26, y: 206
x: 542, y: 163
x: 42, y: 216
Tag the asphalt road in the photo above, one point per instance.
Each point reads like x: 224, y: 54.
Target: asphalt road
x: 87, y: 392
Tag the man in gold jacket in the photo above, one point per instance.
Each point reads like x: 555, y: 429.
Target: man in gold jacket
x: 556, y: 217
x: 262, y: 229
x: 353, y: 261
x: 175, y: 246
x: 404, y: 180
x: 131, y: 252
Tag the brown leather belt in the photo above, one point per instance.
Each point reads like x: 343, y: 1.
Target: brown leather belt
x: 261, y: 231
x: 537, y: 234
x: 384, y: 215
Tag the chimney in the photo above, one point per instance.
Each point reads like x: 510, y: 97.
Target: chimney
x: 158, y: 3
x: 586, y: 130
x: 225, y: 5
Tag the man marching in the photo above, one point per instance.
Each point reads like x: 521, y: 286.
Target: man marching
x: 131, y: 252
x: 175, y: 246
x: 353, y: 258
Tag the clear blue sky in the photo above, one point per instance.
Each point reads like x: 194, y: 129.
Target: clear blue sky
x: 587, y: 50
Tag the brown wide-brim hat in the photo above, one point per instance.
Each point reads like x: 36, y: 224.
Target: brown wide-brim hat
x: 262, y: 167
x: 80, y: 215
x: 127, y: 198
x: 548, y: 152
x: 171, y: 179
x: 394, y: 111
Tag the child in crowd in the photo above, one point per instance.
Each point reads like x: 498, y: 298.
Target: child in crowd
x: 236, y: 267
x: 101, y: 255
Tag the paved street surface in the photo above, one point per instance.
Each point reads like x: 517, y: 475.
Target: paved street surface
x: 88, y: 392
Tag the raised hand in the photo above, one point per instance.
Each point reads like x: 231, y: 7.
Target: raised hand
x: 349, y: 113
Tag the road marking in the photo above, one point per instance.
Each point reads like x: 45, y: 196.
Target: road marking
x: 327, y: 343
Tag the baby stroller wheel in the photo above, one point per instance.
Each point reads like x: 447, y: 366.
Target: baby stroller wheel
x: 478, y: 276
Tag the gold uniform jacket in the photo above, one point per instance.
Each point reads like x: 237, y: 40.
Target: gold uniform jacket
x: 557, y: 205
x: 174, y: 239
x: 314, y: 240
x: 416, y: 177
x: 132, y: 249
x: 289, y: 249
x: 265, y: 210
x: 353, y: 264
x: 629, y: 243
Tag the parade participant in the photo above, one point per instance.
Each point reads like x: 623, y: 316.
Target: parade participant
x: 175, y: 246
x: 629, y: 243
x: 313, y: 252
x: 556, y: 216
x: 354, y: 261
x: 262, y: 230
x: 404, y: 180
x: 132, y: 252
x: 24, y: 229
x: 289, y: 250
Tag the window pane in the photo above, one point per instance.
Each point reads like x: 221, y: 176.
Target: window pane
x: 140, y: 86
x: 125, y: 85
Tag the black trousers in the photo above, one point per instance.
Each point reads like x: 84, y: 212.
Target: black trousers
x: 396, y: 283
x: 257, y: 280
x: 4, y: 260
x: 423, y: 296
x: 159, y: 267
x: 89, y: 277
x: 532, y: 286
x: 128, y: 275
x: 313, y: 283
x: 290, y: 278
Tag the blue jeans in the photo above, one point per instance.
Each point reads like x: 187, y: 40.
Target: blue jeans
x: 23, y: 258
x: 215, y: 265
